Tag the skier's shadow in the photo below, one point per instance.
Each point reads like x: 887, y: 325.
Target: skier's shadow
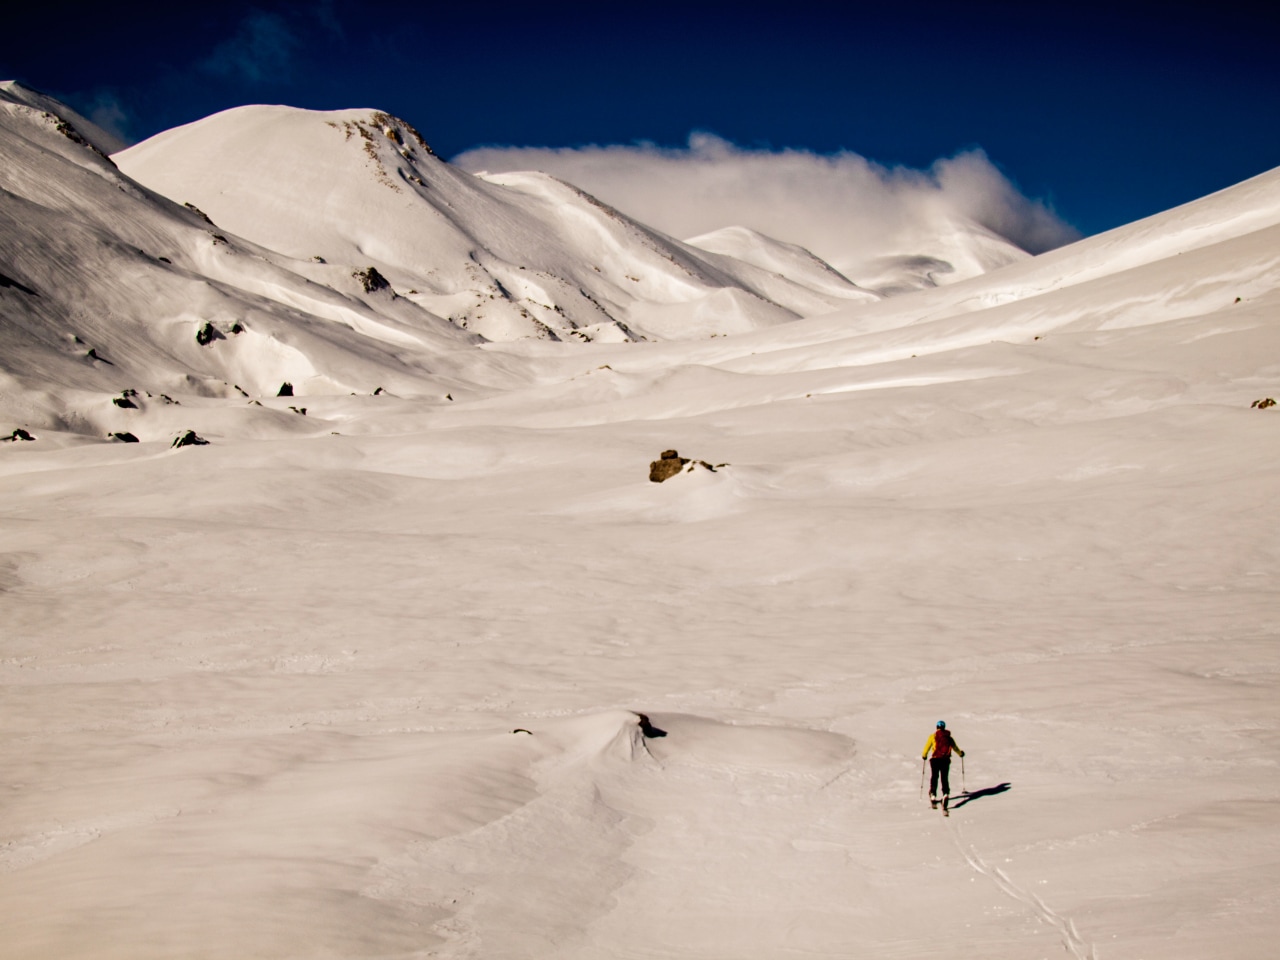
x: 975, y: 794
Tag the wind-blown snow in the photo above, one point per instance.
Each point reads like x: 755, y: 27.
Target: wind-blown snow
x: 366, y: 682
x: 854, y: 213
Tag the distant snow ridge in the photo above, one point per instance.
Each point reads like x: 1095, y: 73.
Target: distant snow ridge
x: 336, y: 254
x: 505, y: 256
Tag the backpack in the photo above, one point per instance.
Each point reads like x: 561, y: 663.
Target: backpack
x: 942, y: 742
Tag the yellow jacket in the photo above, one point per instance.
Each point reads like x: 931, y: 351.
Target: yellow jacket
x: 931, y: 745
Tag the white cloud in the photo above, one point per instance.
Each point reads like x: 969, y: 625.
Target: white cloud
x: 841, y: 206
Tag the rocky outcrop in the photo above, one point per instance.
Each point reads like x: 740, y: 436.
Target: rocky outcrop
x: 207, y: 334
x: 190, y: 439
x: 670, y: 463
x: 371, y: 279
x: 666, y: 466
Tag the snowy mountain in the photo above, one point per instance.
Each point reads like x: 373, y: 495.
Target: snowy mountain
x: 505, y: 256
x: 436, y: 670
x: 887, y: 230
x: 109, y: 287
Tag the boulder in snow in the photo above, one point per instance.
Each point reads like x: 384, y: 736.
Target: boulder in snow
x: 666, y: 466
x: 190, y: 439
x: 207, y: 334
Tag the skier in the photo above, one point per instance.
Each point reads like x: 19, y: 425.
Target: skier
x: 938, y: 751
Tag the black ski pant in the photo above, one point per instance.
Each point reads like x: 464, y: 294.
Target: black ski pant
x: 939, y: 767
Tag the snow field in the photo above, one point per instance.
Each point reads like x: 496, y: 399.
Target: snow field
x: 404, y: 588
x: 261, y: 696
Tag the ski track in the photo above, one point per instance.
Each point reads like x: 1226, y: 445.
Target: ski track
x: 1071, y: 939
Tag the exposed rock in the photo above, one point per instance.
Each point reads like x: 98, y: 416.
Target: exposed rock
x: 671, y: 463
x: 207, y: 334
x: 371, y: 279
x: 125, y: 400
x: 124, y: 437
x: 190, y: 439
x: 199, y: 213
x: 74, y: 135
x: 19, y: 434
x: 286, y: 390
x: 648, y: 729
x: 1262, y: 404
x: 666, y: 466
x: 10, y: 282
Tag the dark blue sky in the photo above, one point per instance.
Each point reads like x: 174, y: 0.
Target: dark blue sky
x: 1109, y: 112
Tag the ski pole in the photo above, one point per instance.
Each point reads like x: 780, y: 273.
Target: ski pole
x: 962, y: 786
x: 922, y: 763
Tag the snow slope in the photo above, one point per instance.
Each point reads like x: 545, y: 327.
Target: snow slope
x: 368, y: 684
x: 104, y: 142
x: 506, y: 256
x: 108, y: 288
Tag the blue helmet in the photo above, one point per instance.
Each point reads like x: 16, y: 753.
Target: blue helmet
x: 941, y: 724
